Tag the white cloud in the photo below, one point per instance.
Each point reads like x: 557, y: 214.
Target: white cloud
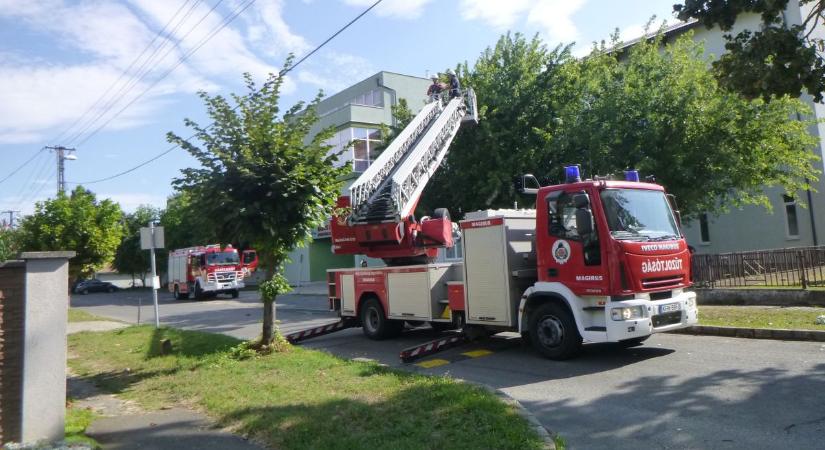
x: 552, y: 17
x: 129, y: 201
x: 496, y: 13
x: 402, y: 9
x: 555, y: 19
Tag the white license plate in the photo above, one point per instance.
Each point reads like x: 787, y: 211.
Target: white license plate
x: 670, y: 307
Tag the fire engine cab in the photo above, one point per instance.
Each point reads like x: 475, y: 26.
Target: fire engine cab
x: 596, y: 260
x: 205, y: 271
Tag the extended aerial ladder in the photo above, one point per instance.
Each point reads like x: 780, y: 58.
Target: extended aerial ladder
x: 379, y: 221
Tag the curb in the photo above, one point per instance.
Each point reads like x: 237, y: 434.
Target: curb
x: 754, y: 333
x: 544, y: 433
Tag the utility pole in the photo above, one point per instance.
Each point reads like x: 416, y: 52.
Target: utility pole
x: 63, y: 154
x: 11, y: 214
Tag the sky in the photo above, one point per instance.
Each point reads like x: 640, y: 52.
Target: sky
x: 111, y: 78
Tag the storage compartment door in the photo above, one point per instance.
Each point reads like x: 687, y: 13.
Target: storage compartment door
x: 485, y: 265
x: 409, y: 295
x: 347, y: 295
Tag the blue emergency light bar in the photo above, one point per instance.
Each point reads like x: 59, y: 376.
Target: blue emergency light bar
x: 631, y: 175
x: 572, y: 174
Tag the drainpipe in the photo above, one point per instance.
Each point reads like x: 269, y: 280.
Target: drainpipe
x: 810, y: 198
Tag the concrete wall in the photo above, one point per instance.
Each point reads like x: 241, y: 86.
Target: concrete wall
x: 762, y: 297
x: 34, y: 316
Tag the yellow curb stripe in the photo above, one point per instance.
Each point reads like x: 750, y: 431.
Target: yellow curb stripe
x: 430, y: 363
x: 477, y: 353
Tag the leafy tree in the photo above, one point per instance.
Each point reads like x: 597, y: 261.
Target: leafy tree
x: 183, y: 224
x: 78, y: 222
x: 8, y: 244
x: 773, y: 61
x: 403, y: 115
x: 259, y: 181
x: 129, y: 257
x: 656, y: 108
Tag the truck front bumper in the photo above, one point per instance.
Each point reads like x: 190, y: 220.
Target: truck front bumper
x: 641, y: 317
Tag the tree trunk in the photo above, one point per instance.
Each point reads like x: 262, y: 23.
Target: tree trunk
x: 269, y: 321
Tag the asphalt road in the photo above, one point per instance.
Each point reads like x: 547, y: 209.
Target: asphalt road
x: 674, y: 392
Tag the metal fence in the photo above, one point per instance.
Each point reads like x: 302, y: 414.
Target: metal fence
x: 801, y: 267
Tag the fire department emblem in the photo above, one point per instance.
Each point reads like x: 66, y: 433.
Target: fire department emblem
x: 561, y: 251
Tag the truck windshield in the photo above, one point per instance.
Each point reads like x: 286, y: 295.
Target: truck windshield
x: 222, y: 258
x: 639, y: 214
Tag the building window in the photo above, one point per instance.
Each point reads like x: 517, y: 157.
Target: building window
x: 703, y: 228
x: 364, y: 150
x: 792, y: 225
x: 364, y: 142
x: 370, y: 98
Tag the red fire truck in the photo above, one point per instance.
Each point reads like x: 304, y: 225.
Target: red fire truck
x: 205, y: 271
x: 597, y: 260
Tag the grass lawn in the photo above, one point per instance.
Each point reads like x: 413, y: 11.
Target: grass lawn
x: 303, y: 399
x: 78, y: 315
x: 77, y: 420
x: 797, y: 318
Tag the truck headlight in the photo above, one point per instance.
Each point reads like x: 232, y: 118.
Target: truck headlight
x: 627, y: 313
x: 691, y: 302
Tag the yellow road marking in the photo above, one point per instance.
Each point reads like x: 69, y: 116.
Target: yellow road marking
x: 430, y: 363
x: 477, y: 353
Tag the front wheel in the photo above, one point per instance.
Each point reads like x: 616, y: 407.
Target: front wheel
x: 198, y: 291
x: 235, y: 293
x: 375, y: 324
x: 553, y: 332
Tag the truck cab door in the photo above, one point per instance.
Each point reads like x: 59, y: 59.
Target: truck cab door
x: 575, y: 256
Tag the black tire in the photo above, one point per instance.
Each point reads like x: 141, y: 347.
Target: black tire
x: 110, y: 290
x: 85, y: 292
x: 459, y: 320
x: 198, y: 291
x: 374, y: 322
x: 442, y: 326
x: 441, y: 213
x: 553, y: 332
x: 179, y: 295
x: 635, y: 342
x: 235, y: 293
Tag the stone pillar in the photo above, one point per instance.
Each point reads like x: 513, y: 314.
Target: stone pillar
x: 35, y: 302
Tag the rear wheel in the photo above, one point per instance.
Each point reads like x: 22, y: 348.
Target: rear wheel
x: 553, y: 331
x: 375, y: 323
x: 179, y: 295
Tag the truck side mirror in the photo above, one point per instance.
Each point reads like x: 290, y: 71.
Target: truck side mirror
x: 526, y: 184
x: 584, y: 222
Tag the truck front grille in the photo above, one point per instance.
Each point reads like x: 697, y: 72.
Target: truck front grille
x: 222, y: 277
x: 665, y: 282
x: 665, y: 319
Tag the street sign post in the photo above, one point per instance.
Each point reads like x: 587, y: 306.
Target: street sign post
x: 151, y: 237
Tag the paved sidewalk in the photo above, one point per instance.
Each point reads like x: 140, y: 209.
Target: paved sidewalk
x: 97, y: 325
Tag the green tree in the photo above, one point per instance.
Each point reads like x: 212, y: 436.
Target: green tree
x: 78, y: 222
x: 8, y: 244
x: 655, y: 107
x: 261, y: 179
x: 774, y: 61
x: 129, y: 257
x: 184, y: 225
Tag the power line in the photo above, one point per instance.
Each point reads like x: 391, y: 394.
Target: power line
x: 183, y: 59
x: 280, y: 74
x: 140, y: 76
x: 125, y: 72
x: 21, y: 166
